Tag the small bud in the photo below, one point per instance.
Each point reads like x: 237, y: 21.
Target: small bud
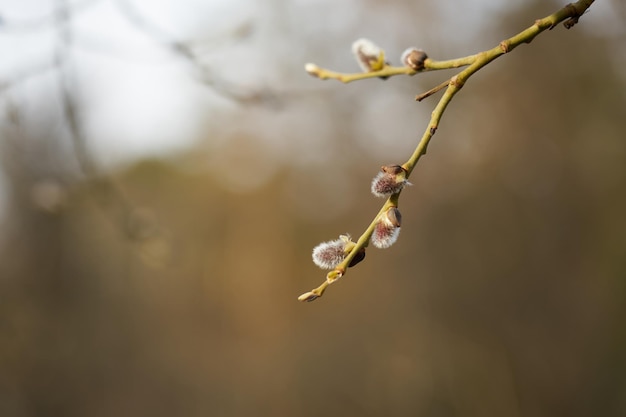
x: 387, y: 229
x: 312, y: 69
x: 369, y: 56
x: 390, y: 180
x: 308, y: 297
x: 414, y: 58
x: 333, y: 276
x: 328, y: 255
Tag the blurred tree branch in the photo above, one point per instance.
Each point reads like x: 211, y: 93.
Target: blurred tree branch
x: 110, y: 191
x: 60, y: 19
x: 569, y: 15
x: 185, y: 51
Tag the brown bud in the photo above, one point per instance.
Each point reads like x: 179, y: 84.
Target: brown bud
x: 414, y: 58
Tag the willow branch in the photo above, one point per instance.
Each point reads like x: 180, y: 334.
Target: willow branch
x: 569, y: 14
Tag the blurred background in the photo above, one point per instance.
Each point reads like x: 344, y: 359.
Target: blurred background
x: 167, y: 167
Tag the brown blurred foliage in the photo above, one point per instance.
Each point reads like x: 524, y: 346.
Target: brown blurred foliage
x: 504, y: 296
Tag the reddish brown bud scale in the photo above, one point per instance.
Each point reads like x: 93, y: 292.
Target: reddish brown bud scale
x: 357, y: 258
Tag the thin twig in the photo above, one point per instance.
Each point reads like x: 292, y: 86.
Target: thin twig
x: 432, y: 91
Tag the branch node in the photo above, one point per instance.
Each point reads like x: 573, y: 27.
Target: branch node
x: 456, y: 81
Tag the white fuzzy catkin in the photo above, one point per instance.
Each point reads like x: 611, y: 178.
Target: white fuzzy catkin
x: 327, y: 255
x: 368, y: 55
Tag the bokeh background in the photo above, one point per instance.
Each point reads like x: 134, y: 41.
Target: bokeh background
x: 167, y: 167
